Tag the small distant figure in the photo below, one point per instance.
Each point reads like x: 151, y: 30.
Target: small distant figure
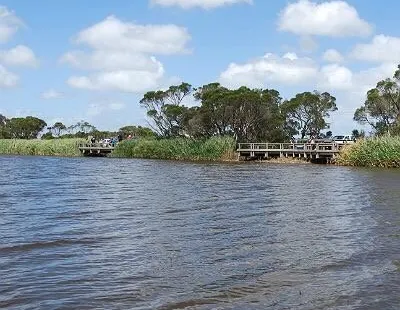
x: 93, y: 140
x: 129, y: 137
x: 119, y: 138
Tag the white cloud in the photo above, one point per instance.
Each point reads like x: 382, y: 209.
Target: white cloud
x: 98, y: 108
x: 331, y: 18
x: 381, y: 49
x: 7, y: 79
x: 51, y: 94
x: 111, y: 60
x: 332, y: 55
x: 288, y: 69
x: 205, y: 4
x: 121, y: 80
x: 20, y: 55
x: 9, y: 24
x: 122, y: 56
x: 336, y: 77
x: 114, y: 34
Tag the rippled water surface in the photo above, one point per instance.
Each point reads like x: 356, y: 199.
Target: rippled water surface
x: 87, y: 233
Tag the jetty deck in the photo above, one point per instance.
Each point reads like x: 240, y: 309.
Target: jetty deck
x: 95, y: 149
x: 310, y: 151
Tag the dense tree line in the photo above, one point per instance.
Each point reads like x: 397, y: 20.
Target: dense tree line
x: 32, y: 127
x: 244, y: 113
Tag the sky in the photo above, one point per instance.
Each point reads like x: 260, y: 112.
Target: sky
x: 93, y: 60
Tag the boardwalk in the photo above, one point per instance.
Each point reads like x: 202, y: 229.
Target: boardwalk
x: 95, y: 149
x: 312, y: 151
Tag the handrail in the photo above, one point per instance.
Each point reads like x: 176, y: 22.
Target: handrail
x: 289, y: 146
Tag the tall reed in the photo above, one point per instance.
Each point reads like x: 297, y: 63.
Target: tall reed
x: 213, y: 149
x: 54, y: 147
x: 372, y: 152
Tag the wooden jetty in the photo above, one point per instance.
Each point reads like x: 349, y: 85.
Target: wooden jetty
x: 95, y: 149
x: 320, y: 152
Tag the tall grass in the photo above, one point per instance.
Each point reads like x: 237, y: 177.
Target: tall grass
x: 374, y: 152
x: 55, y: 147
x: 213, y: 149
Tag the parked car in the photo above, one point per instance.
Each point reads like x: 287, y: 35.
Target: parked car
x: 105, y: 142
x: 343, y: 139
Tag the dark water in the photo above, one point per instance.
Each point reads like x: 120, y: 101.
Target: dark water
x: 136, y: 234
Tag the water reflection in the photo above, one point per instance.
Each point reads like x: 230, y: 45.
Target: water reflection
x: 101, y: 233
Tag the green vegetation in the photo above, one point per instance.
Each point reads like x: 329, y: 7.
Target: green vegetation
x: 381, y: 152
x: 213, y: 149
x: 56, y: 147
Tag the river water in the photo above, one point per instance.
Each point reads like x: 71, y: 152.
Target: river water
x: 88, y: 233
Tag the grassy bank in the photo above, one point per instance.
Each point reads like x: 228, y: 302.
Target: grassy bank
x: 56, y: 147
x: 214, y: 149
x: 375, y: 152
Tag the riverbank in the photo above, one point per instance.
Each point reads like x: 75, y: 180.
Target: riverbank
x: 383, y: 152
x: 213, y: 149
x: 54, y: 147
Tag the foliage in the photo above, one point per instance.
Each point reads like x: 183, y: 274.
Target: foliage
x: 23, y: 127
x: 381, y: 110
x: 166, y: 110
x: 54, y: 147
x: 213, y: 149
x: 57, y: 129
x: 381, y: 151
x: 246, y: 114
x: 306, y: 113
x: 136, y: 131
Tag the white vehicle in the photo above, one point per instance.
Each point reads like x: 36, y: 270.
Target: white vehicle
x: 105, y: 142
x: 343, y: 139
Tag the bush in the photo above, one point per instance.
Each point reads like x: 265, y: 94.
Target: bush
x: 373, y: 152
x: 216, y: 148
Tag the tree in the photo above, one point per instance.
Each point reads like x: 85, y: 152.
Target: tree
x: 306, y: 113
x: 136, y: 131
x: 166, y: 110
x: 247, y: 114
x: 3, y: 129
x: 57, y: 129
x: 381, y: 110
x: 25, y: 128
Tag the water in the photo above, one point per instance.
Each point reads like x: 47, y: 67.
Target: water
x: 134, y: 234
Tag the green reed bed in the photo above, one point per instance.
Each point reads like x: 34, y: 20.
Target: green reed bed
x: 213, y: 149
x: 374, y: 152
x: 55, y: 147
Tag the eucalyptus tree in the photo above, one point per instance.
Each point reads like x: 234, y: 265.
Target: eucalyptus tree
x: 381, y: 109
x: 307, y: 112
x: 165, y: 109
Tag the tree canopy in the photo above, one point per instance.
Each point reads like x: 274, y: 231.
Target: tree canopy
x: 381, y: 109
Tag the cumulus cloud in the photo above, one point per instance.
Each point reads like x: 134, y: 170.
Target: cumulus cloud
x: 114, y: 34
x: 205, y: 4
x: 332, y: 55
x: 51, y: 94
x: 331, y: 18
x: 20, y: 55
x: 336, y: 77
x: 7, y: 79
x: 9, y: 24
x: 122, y: 56
x: 133, y: 81
x: 381, y: 49
x: 288, y: 69
x: 98, y: 108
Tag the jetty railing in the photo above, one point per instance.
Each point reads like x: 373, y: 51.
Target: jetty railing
x: 305, y: 150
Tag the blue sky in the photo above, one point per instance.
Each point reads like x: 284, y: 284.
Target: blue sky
x: 71, y: 60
